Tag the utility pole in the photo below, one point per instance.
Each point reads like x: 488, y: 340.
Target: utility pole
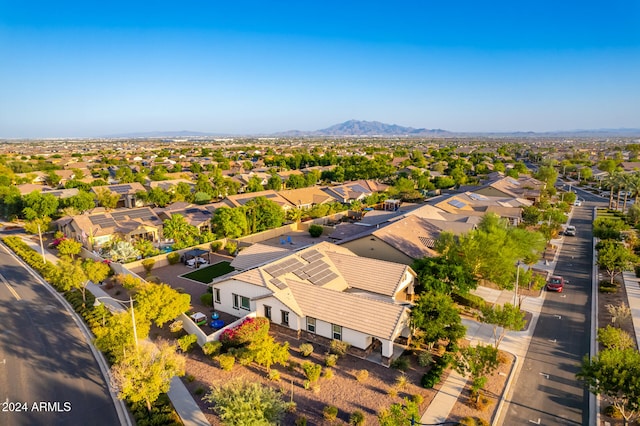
x: 44, y: 260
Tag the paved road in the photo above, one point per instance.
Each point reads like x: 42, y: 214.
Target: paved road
x: 546, y: 391
x: 47, y: 369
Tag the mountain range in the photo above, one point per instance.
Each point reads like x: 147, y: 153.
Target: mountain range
x: 360, y: 128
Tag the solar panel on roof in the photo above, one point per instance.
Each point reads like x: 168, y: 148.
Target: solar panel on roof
x: 326, y: 279
x: 278, y: 283
x: 194, y: 211
x: 512, y: 181
x: 456, y: 203
x: 359, y: 188
x: 95, y: 219
x: 311, y: 255
x: 477, y: 197
x: 121, y: 189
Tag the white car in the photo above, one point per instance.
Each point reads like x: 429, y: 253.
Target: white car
x: 570, y: 231
x: 577, y: 203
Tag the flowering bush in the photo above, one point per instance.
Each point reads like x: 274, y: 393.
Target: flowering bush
x: 250, y: 330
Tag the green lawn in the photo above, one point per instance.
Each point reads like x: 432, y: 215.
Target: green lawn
x: 208, y: 273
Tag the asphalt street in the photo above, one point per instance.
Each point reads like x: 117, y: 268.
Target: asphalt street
x: 546, y: 391
x: 48, y: 374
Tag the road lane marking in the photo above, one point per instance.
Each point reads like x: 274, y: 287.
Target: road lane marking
x: 11, y: 289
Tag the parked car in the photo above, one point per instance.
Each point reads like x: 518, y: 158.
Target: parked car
x: 577, y: 203
x: 570, y: 231
x: 555, y: 283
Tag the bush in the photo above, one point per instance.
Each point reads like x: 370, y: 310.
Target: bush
x: 148, y: 265
x: 338, y: 347
x: 173, y: 257
x: 327, y: 373
x: 401, y: 381
x: 250, y: 330
x: 362, y: 375
x: 356, y: 418
x: 468, y: 299
x: 274, y: 375
x: 231, y: 247
x: 425, y: 358
x: 417, y: 398
x: 401, y: 363
x: 311, y: 371
x: 330, y: 360
x: 207, y: 299
x: 216, y: 246
x: 301, y: 421
x: 330, y: 412
x: 175, y: 326
x: 612, y: 412
x: 306, y: 349
x: 212, y: 348
x: 316, y: 230
x: 186, y: 342
x: 606, y: 287
x: 226, y: 361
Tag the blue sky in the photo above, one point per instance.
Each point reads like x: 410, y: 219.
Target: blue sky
x: 74, y: 69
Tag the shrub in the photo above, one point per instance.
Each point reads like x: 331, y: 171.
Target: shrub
x: 356, y: 418
x: 468, y: 299
x: 216, y: 246
x: 190, y: 378
x: 327, y: 373
x: 226, y: 361
x: 250, y: 330
x: 148, y: 265
x: 315, y: 230
x: 311, y: 371
x: 231, y: 247
x: 606, y: 287
x: 417, y: 398
x: 401, y: 363
x: 274, y: 375
x: 212, y: 348
x: 186, y: 342
x: 402, y: 381
x: 175, y: 326
x: 128, y: 281
x: 330, y: 360
x: 425, y: 358
x: 173, y: 257
x: 207, y: 299
x: 306, y: 349
x: 338, y: 347
x: 330, y: 412
x: 199, y: 391
x: 362, y: 375
x: 301, y: 421
x: 392, y: 392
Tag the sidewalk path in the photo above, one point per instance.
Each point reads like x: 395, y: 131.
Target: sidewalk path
x: 632, y: 286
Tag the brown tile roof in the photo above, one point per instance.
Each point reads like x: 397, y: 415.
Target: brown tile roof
x: 306, y: 196
x: 369, y: 316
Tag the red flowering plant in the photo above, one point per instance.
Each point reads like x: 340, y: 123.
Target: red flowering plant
x: 250, y: 330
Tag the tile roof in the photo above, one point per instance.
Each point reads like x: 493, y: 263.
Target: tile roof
x: 257, y: 255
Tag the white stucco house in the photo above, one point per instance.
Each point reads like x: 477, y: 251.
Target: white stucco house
x: 321, y: 293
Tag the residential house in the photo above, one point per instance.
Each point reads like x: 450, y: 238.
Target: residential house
x: 498, y: 185
x: 477, y: 204
x: 98, y: 227
x: 195, y: 215
x: 126, y: 191
x: 242, y: 199
x: 354, y: 191
x: 325, y: 292
x: 304, y: 198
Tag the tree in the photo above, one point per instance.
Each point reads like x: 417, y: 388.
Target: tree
x: 263, y: 214
x: 254, y: 184
x: 95, y: 272
x: 229, y: 222
x: 81, y: 202
x: 106, y: 198
x: 53, y: 179
x: 477, y: 361
x: 159, y: 197
x: 614, y: 257
x: 435, y: 317
x: 69, y: 275
x: 69, y: 248
x: 444, y: 274
x: 160, y: 303
x: 178, y: 229
x: 507, y: 317
x: 116, y: 338
x: 547, y: 174
x: 399, y: 414
x: 274, y: 182
x: 614, y: 375
x: 38, y: 205
x: 244, y: 403
x: 146, y: 373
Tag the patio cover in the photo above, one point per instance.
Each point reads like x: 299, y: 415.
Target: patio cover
x: 194, y: 253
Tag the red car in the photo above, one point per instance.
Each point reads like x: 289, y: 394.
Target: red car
x: 555, y: 283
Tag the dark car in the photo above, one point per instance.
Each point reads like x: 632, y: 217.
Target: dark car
x: 555, y: 283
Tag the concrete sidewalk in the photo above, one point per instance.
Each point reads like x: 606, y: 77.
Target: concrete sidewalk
x: 632, y: 287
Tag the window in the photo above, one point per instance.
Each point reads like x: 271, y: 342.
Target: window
x: 241, y: 302
x: 337, y: 332
x: 267, y: 312
x: 216, y: 295
x: 311, y: 325
x: 285, y: 317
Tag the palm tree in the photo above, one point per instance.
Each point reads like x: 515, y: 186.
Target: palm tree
x: 177, y: 228
x: 634, y: 186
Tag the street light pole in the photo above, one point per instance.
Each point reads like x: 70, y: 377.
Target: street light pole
x: 44, y: 260
x: 515, y: 295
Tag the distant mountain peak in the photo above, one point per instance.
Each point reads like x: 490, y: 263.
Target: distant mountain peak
x: 367, y: 128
